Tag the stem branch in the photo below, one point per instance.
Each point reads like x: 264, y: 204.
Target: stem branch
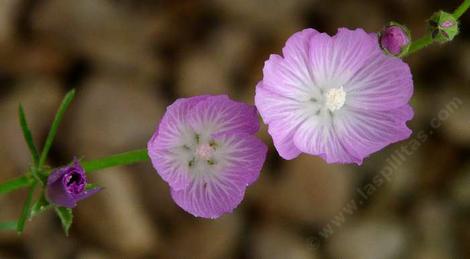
x: 126, y: 158
x: 463, y: 7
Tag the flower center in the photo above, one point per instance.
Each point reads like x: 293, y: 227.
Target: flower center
x: 204, y: 151
x: 75, y: 183
x: 335, y: 98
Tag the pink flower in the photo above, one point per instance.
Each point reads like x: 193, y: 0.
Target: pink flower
x: 337, y: 97
x: 206, y: 150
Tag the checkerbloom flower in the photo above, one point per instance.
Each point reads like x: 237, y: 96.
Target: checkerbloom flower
x: 338, y: 97
x: 206, y: 150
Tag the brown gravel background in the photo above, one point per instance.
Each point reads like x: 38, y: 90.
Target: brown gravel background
x: 130, y: 59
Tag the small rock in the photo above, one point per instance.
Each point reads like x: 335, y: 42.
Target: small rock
x: 112, y: 114
x: 275, y: 242
x: 310, y: 191
x: 114, y: 217
x: 371, y: 239
x: 205, y: 239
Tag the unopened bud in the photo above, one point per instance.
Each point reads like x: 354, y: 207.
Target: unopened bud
x: 444, y: 27
x: 395, y: 39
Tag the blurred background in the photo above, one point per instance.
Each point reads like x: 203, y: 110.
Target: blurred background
x: 129, y: 59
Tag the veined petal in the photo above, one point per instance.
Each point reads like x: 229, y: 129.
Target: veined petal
x: 219, y: 114
x: 336, y: 59
x: 321, y: 139
x: 241, y: 156
x: 283, y: 115
x: 365, y: 132
x: 383, y: 83
x: 173, y: 130
x: 168, y: 147
x: 172, y: 165
x: 290, y: 76
x: 220, y: 188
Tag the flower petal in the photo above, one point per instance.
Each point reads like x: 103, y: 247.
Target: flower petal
x: 363, y: 133
x: 167, y: 147
x: 219, y: 114
x: 87, y: 193
x: 283, y: 115
x: 290, y: 76
x: 316, y: 137
x: 57, y: 194
x: 383, y: 83
x: 221, y: 188
x: 336, y: 59
x: 241, y: 154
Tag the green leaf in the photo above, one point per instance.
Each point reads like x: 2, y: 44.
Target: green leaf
x: 66, y: 217
x: 14, y: 184
x: 55, y: 125
x: 39, y: 206
x: 26, y: 209
x: 9, y: 225
x: 27, y: 135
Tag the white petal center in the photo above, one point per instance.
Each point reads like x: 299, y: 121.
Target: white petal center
x: 335, y: 98
x: 205, y: 151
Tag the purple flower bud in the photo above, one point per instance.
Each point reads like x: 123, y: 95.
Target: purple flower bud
x: 67, y: 185
x: 394, y: 39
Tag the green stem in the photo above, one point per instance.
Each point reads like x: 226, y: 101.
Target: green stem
x: 126, y: 158
x: 463, y: 7
x: 427, y: 39
x: 420, y: 43
x: 26, y: 209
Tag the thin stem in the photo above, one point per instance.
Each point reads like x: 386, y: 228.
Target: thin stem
x: 420, y: 44
x: 427, y: 39
x: 463, y: 7
x: 26, y: 209
x: 126, y: 158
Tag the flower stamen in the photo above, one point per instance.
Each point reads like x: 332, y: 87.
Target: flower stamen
x: 335, y: 98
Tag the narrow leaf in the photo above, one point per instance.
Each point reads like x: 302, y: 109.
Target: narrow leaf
x: 9, y: 225
x: 27, y: 135
x: 55, y: 125
x: 26, y: 209
x: 66, y: 218
x: 14, y: 184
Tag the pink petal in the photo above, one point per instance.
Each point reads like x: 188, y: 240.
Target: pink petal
x: 280, y: 113
x: 365, y: 132
x: 290, y: 75
x: 221, y: 189
x: 167, y: 144
x: 219, y: 114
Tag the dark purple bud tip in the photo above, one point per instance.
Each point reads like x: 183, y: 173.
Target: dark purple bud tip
x: 67, y: 185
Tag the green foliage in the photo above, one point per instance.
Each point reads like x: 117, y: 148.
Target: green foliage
x: 66, y: 218
x: 55, y: 126
x: 27, y: 135
x: 25, y: 214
